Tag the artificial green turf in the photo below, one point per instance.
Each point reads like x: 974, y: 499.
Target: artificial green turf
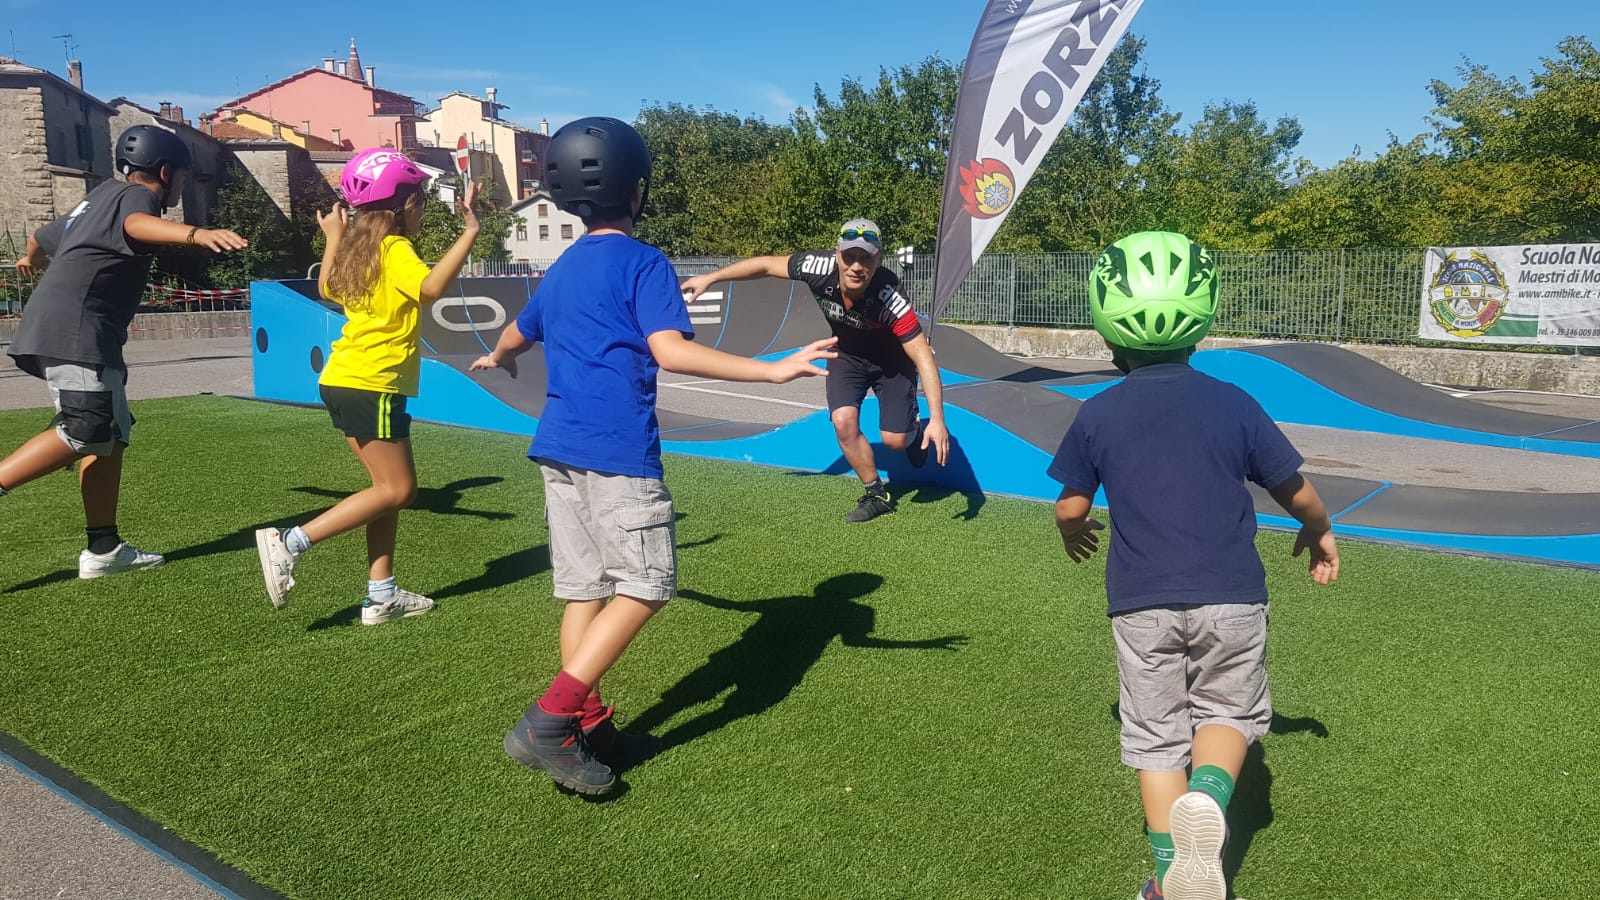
x: 1436, y: 732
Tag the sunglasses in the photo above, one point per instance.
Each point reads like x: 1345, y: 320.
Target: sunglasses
x: 868, y: 235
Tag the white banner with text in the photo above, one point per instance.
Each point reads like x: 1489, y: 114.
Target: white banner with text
x: 1533, y: 294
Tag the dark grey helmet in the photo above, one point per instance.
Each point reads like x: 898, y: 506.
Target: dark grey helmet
x: 149, y: 147
x: 593, y: 166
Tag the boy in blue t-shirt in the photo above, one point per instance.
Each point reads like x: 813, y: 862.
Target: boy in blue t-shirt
x: 610, y: 315
x: 1185, y: 586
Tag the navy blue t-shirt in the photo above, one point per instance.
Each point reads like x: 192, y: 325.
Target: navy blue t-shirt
x: 594, y: 311
x: 1173, y: 448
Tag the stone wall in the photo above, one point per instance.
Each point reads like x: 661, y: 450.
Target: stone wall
x: 27, y: 197
x: 168, y: 326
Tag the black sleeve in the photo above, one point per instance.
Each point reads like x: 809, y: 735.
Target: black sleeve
x: 139, y: 200
x: 48, y: 237
x: 814, y: 267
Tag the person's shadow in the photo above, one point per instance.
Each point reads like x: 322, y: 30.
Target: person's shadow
x: 1250, y: 811
x: 445, y: 499
x: 773, y: 655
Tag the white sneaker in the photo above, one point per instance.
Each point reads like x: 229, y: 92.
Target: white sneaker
x: 126, y: 558
x: 1198, y: 832
x: 277, y: 564
x: 404, y: 604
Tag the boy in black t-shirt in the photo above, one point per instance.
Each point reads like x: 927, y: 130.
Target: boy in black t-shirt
x: 1185, y: 586
x: 882, y: 348
x: 76, y: 322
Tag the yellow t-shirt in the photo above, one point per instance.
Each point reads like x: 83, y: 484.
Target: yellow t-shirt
x: 377, y: 350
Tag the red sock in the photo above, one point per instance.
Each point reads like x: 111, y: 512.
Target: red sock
x: 565, y: 697
x: 594, y: 710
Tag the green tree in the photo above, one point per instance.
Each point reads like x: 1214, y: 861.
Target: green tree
x: 1523, y: 161
x: 877, y: 151
x: 1229, y: 169
x: 280, y: 246
x: 706, y: 164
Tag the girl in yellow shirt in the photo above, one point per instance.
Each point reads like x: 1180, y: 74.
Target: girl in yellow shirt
x: 372, y: 270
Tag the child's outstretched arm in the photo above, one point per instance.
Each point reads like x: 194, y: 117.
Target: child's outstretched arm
x: 1299, y: 499
x: 512, y: 344
x: 32, y: 259
x: 743, y: 270
x: 441, y: 276
x: 677, y: 353
x: 1077, y: 529
x: 148, y: 229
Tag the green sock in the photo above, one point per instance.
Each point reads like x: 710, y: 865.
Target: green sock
x: 1214, y: 783
x: 1161, y: 849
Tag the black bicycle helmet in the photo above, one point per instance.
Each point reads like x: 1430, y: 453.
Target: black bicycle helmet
x: 593, y: 166
x: 148, y: 147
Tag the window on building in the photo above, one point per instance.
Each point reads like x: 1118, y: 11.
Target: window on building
x: 522, y: 231
x: 85, y: 143
x: 544, y: 210
x: 544, y: 232
x: 566, y: 232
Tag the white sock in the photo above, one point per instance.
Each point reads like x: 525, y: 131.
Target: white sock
x: 381, y: 591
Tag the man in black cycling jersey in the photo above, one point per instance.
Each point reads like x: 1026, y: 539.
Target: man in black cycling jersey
x: 881, y: 348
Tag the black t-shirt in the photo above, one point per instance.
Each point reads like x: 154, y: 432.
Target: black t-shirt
x: 81, y: 308
x: 871, y: 329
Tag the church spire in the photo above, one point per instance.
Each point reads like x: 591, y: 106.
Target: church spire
x: 354, y: 68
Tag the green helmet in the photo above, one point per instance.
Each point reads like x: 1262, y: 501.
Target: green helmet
x: 1154, y: 290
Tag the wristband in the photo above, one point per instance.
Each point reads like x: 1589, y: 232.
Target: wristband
x: 192, y: 233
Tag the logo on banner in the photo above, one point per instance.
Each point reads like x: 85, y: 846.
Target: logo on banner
x: 1468, y: 296
x: 987, y: 188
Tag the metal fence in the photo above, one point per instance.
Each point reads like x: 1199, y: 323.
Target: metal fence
x: 1369, y: 296
x: 1364, y: 296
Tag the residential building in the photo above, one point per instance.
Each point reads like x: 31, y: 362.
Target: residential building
x: 339, y: 102
x: 542, y: 231
x: 516, y: 153
x: 58, y: 146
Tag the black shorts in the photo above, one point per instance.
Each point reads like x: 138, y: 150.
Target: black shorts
x: 849, y: 379
x: 365, y: 415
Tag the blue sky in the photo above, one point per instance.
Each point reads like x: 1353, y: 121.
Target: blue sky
x: 1351, y: 72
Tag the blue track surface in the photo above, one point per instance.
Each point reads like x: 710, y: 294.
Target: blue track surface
x: 1006, y: 419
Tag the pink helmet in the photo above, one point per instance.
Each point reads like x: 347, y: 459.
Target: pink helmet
x: 375, y: 175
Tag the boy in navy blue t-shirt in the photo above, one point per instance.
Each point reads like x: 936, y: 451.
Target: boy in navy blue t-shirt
x: 610, y: 315
x: 1185, y: 586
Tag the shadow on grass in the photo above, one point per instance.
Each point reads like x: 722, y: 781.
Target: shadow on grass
x: 445, y: 499
x: 1250, y: 811
x: 909, y: 487
x: 769, y: 660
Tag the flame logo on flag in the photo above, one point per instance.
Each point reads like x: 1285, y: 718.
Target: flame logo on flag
x: 987, y: 188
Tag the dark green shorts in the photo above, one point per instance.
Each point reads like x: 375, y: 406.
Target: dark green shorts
x: 365, y: 415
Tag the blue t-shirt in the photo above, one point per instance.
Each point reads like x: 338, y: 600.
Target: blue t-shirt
x: 1173, y: 448
x: 594, y: 310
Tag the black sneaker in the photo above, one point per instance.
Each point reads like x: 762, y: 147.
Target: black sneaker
x: 916, y: 454
x: 555, y: 745
x: 870, y: 506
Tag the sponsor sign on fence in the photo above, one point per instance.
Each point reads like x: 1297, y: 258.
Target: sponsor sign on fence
x: 1538, y: 294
